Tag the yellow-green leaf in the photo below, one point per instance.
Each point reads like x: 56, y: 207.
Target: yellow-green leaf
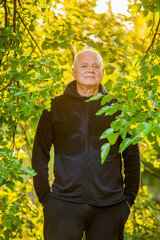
x: 104, y: 151
x: 124, y: 144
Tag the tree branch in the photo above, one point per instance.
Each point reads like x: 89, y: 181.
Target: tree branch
x: 152, y: 173
x: 13, y: 137
x: 42, y: 53
x: 14, y: 15
x: 1, y: 63
x: 20, y: 4
x: 9, y: 84
x: 154, y: 37
x: 151, y: 31
x: 5, y: 9
x: 24, y: 131
x: 1, y: 1
x: 33, y: 50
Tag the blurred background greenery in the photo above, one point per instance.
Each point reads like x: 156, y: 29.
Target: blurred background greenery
x: 38, y: 41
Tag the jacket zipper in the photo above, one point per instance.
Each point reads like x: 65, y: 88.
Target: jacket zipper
x: 86, y: 155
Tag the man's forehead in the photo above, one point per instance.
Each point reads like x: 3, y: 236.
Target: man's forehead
x: 89, y: 62
x: 88, y: 58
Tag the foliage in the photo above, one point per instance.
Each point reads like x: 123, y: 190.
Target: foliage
x: 139, y: 105
x: 143, y: 209
x: 20, y: 217
x: 137, y: 94
x: 38, y: 41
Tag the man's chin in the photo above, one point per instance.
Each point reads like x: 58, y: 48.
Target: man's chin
x: 90, y: 82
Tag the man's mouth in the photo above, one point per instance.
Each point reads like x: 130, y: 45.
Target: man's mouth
x: 90, y: 77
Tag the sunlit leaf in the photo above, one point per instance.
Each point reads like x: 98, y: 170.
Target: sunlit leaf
x: 112, y: 138
x: 104, y: 151
x: 124, y: 144
x: 102, y: 110
x: 106, y: 133
x: 110, y: 111
x: 7, y: 224
x: 157, y: 130
x: 28, y: 170
x: 144, y: 127
x: 95, y: 97
x: 10, y: 185
x: 106, y: 98
x: 137, y: 138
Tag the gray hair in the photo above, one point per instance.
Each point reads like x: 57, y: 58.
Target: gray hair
x: 88, y: 51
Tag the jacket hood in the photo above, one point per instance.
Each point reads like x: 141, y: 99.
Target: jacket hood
x: 71, y: 90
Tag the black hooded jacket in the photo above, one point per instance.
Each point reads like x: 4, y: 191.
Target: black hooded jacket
x: 74, y: 129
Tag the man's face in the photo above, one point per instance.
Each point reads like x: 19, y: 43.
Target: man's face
x: 88, y: 70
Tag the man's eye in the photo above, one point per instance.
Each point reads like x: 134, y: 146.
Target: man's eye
x: 95, y: 66
x: 84, y: 66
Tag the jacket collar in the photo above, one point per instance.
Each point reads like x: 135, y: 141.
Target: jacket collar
x: 71, y: 90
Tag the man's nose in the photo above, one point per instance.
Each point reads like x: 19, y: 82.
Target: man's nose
x: 90, y: 68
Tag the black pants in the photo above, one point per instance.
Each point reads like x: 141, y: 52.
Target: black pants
x: 67, y: 221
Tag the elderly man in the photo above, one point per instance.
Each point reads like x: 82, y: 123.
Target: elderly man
x: 86, y: 196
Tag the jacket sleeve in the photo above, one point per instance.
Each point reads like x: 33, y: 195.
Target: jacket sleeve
x: 132, y: 171
x: 41, y: 156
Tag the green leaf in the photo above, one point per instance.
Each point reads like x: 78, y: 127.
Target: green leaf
x: 28, y: 170
x: 112, y: 138
x: 20, y: 94
x: 144, y: 71
x: 15, y: 220
x: 14, y: 88
x: 104, y: 151
x: 106, y: 98
x: 118, y: 123
x: 102, y: 110
x: 31, y: 27
x: 109, y: 69
x: 7, y: 224
x: 20, y: 179
x: 17, y: 203
x: 124, y: 144
x: 106, y: 133
x: 157, y: 130
x: 144, y: 127
x: 137, y: 138
x: 123, y: 131
x: 156, y: 70
x: 5, y: 173
x: 14, y: 65
x: 156, y: 102
x: 45, y: 45
x: 95, y: 97
x: 110, y: 111
x: 10, y: 185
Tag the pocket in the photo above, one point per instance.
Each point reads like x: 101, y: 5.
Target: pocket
x: 125, y: 211
x: 45, y: 206
x: 127, y: 206
x: 68, y: 174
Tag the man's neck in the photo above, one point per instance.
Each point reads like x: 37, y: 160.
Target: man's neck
x: 87, y: 91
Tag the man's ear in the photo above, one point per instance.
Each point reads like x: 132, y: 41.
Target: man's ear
x: 103, y: 71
